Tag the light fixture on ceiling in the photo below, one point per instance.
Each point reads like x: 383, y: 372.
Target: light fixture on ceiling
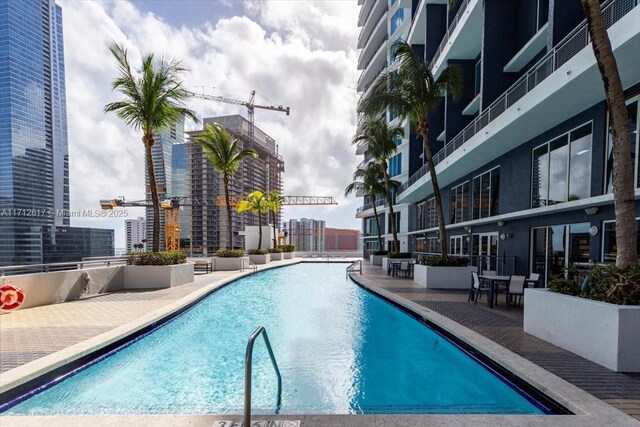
x: 592, y: 210
x: 501, y: 223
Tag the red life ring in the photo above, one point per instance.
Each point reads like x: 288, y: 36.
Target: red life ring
x: 11, y: 297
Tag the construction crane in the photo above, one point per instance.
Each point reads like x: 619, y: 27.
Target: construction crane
x: 288, y: 200
x: 171, y: 216
x: 250, y: 104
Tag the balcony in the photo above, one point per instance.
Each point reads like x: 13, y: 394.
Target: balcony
x: 367, y: 209
x: 378, y: 12
x: 365, y: 11
x: 372, y: 44
x: 463, y: 38
x: 535, y: 102
x: 376, y: 65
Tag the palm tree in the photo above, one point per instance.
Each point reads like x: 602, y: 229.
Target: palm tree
x: 381, y: 138
x: 225, y: 158
x: 153, y: 102
x: 414, y: 92
x: 370, y: 181
x: 255, y: 203
x: 623, y: 191
x: 274, y: 203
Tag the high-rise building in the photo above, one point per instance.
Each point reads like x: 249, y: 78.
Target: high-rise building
x: 523, y: 157
x: 340, y: 239
x: 136, y: 233
x: 162, y: 153
x: 65, y: 244
x: 308, y: 235
x: 34, y: 155
x: 382, y: 24
x: 209, y: 220
x: 181, y: 183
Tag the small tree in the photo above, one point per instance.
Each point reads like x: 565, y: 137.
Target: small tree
x: 255, y: 203
x: 413, y: 92
x: 225, y: 158
x: 370, y: 180
x: 623, y: 191
x: 153, y: 102
x: 274, y: 202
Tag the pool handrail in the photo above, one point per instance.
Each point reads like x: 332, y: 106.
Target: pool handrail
x: 252, y: 265
x: 248, y: 362
x: 351, y: 268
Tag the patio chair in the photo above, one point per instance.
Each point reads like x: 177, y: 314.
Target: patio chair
x: 516, y: 288
x: 476, y: 288
x: 404, y: 268
x: 533, y: 278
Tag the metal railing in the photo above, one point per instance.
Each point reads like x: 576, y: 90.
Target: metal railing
x: 11, y: 270
x: 354, y: 267
x: 566, y: 49
x: 369, y: 205
x: 450, y: 30
x: 248, y: 362
x: 251, y: 265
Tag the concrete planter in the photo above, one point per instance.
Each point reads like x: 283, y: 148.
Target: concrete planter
x: 607, y: 334
x: 287, y: 255
x: 276, y: 256
x: 442, y: 277
x: 229, y: 264
x: 157, y: 276
x: 260, y: 259
x: 376, y: 259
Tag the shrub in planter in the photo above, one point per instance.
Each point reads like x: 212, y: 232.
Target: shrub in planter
x: 606, y: 283
x: 157, y: 258
x: 448, y: 261
x: 381, y: 253
x: 400, y: 255
x: 275, y: 251
x: 287, y: 248
x: 230, y: 253
x: 257, y: 251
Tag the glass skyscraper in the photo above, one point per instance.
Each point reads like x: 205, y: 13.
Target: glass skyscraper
x: 34, y: 155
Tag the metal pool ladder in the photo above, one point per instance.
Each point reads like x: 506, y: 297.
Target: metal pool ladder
x: 248, y: 361
x: 251, y: 265
x: 354, y: 266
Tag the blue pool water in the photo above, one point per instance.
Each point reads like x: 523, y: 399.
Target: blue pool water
x: 340, y: 350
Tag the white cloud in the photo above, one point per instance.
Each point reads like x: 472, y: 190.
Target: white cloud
x: 300, y: 54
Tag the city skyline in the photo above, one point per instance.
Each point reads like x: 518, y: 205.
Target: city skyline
x: 234, y: 52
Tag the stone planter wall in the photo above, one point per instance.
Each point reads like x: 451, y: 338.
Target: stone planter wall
x: 287, y: 255
x: 260, y: 259
x: 228, y: 264
x: 606, y: 334
x: 157, y: 276
x: 376, y: 259
x: 442, y: 277
x: 276, y: 256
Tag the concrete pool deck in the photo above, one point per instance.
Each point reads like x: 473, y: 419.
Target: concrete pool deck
x: 36, y: 340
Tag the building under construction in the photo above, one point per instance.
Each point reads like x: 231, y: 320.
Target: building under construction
x: 208, y: 219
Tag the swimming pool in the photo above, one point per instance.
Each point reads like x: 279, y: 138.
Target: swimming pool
x: 340, y: 350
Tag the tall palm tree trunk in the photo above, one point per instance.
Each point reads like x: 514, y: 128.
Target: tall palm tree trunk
x: 623, y: 191
x: 387, y: 185
x: 375, y: 213
x: 259, y: 231
x: 225, y: 180
x: 275, y: 235
x: 436, y: 191
x: 155, y: 241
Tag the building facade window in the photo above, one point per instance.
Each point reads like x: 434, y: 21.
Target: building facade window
x: 458, y: 245
x: 542, y: 13
x: 395, y: 165
x: 426, y: 217
x: 397, y: 216
x: 371, y: 227
x: 561, y: 169
x: 396, y: 20
x: 459, y: 203
x: 554, y: 248
x: 632, y: 118
x: 609, y: 247
x: 486, y: 194
x: 432, y: 245
x: 372, y: 245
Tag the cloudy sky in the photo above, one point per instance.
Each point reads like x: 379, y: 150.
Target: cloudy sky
x: 301, y: 54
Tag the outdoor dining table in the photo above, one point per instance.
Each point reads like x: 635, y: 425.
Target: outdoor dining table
x: 394, y: 265
x: 493, y: 280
